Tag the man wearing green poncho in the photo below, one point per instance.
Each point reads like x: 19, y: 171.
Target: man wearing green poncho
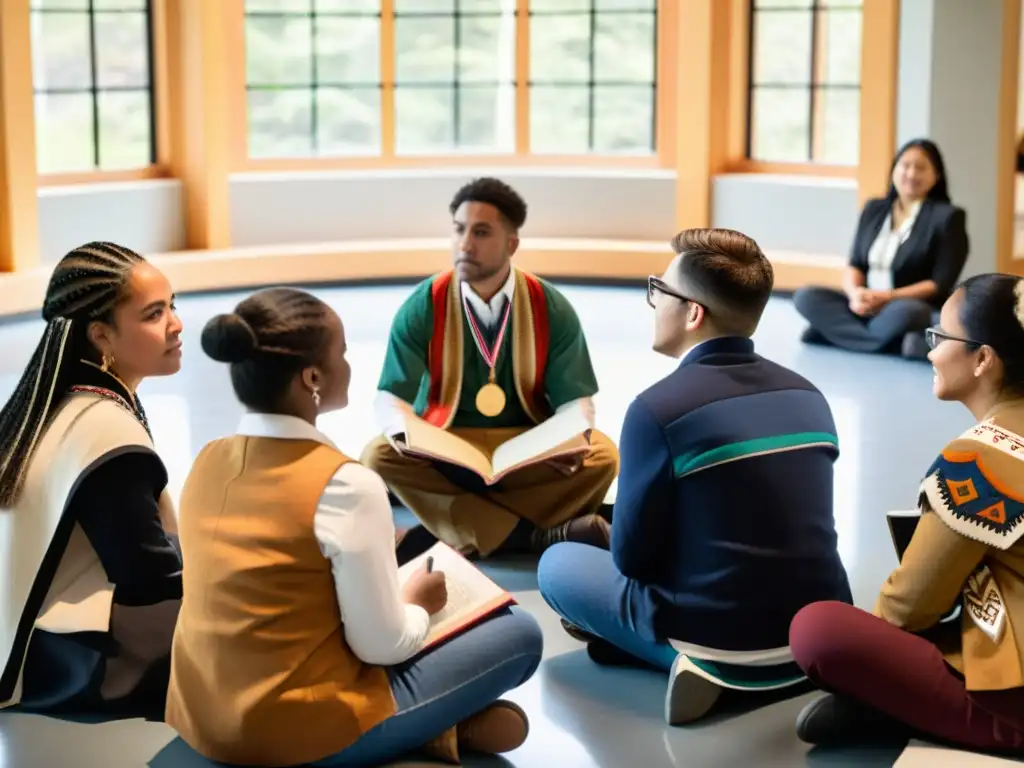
x: 528, y: 360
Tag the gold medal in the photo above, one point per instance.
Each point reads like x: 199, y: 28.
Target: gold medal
x: 490, y: 399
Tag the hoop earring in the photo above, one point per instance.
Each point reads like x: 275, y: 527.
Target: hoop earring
x: 316, y: 396
x: 108, y: 361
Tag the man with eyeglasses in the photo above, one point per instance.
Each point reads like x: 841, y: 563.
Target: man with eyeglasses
x: 723, y: 526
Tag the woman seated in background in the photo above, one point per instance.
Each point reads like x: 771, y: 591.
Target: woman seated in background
x: 903, y: 672
x: 92, y: 579
x: 296, y: 642
x: 908, y: 252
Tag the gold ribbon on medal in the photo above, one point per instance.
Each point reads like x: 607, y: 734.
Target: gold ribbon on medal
x: 490, y: 399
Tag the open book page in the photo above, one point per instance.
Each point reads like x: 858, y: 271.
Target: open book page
x: 560, y: 435
x: 471, y: 594
x: 919, y: 754
x: 424, y: 439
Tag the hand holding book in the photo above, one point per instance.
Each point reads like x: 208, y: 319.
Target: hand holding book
x: 469, y: 595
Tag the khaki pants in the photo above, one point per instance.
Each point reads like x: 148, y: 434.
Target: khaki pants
x: 471, y: 521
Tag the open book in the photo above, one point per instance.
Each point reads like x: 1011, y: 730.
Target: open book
x: 472, y: 596
x: 563, y: 435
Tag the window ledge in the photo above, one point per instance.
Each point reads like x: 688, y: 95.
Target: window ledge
x: 457, y: 173
x: 99, y: 187
x: 793, y: 179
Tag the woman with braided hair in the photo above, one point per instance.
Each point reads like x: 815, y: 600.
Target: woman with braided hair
x: 92, y: 578
x: 912, y: 669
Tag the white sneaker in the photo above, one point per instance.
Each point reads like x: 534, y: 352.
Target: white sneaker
x: 689, y: 696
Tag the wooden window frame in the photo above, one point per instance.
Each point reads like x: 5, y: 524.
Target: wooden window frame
x: 743, y: 163
x: 159, y: 119
x: 664, y: 110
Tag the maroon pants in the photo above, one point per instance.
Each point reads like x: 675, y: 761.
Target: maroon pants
x: 850, y: 652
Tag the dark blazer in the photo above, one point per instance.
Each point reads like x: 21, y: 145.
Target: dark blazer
x: 723, y: 517
x: 936, y: 249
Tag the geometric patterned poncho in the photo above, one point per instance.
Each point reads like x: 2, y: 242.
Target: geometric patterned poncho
x: 976, y: 487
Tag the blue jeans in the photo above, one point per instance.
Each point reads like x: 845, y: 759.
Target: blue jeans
x: 582, y: 585
x: 444, y: 686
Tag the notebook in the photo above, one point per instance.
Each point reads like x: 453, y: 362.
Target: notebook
x: 472, y: 596
x: 902, y: 524
x: 920, y: 754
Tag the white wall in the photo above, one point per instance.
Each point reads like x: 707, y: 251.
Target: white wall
x: 790, y: 213
x: 146, y: 216
x: 352, y: 205
x: 948, y: 90
x: 803, y: 214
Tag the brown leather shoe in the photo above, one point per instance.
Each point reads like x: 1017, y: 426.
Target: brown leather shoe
x: 588, y: 529
x: 499, y: 728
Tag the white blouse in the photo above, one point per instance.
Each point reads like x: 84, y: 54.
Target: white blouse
x: 883, y: 249
x: 356, y: 532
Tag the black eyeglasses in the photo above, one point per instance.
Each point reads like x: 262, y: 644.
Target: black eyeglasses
x: 659, y: 285
x: 935, y: 336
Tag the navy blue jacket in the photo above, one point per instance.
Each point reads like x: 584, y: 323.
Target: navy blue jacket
x: 724, y: 506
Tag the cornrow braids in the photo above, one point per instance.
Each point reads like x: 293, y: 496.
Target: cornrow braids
x: 268, y: 339
x: 86, y: 285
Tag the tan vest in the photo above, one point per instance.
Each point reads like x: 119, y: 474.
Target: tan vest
x: 260, y: 672
x: 62, y: 592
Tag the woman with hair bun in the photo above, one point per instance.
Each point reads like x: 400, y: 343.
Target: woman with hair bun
x: 92, y: 578
x: 907, y: 670
x: 296, y: 644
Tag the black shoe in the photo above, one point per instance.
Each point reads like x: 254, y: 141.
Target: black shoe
x: 607, y: 655
x: 833, y: 721
x: 813, y: 336
x: 578, y: 633
x: 914, y: 346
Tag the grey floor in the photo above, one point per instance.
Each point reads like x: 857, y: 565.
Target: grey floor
x: 890, y: 428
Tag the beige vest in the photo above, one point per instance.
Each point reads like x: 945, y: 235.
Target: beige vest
x: 261, y: 673
x: 61, y: 591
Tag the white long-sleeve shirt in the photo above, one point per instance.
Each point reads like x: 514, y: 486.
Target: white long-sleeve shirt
x: 390, y: 410
x: 356, y: 532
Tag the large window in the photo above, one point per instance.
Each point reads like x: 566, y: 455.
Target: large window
x: 455, y: 75
x: 92, y: 71
x: 316, y: 86
x: 592, y: 76
x: 313, y: 76
x: 805, y: 81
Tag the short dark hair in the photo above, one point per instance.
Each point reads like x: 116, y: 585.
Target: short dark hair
x: 493, y: 192
x: 86, y: 285
x: 268, y: 339
x: 939, y: 192
x: 727, y: 273
x: 992, y: 313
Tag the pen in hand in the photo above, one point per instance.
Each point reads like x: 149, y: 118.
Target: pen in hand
x: 430, y: 564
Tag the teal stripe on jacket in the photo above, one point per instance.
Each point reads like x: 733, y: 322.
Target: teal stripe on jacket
x: 689, y: 463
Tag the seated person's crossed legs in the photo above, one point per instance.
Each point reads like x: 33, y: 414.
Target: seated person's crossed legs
x: 722, y: 527
x: 526, y: 511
